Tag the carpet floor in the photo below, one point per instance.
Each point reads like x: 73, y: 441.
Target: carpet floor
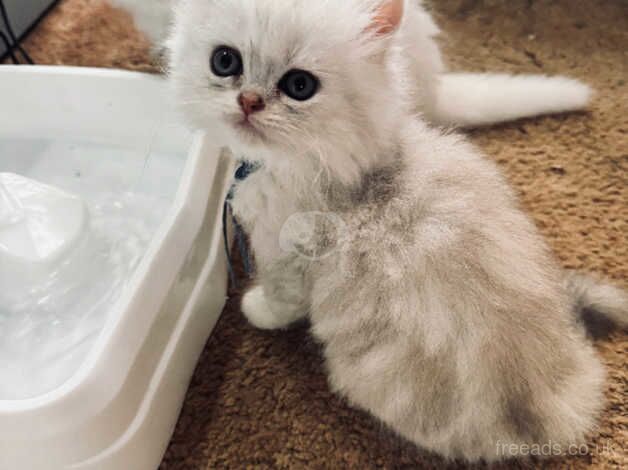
x: 260, y: 400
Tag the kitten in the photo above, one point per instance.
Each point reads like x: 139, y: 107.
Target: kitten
x: 449, y: 99
x: 439, y: 306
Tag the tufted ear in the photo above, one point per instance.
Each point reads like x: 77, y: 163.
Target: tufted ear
x: 388, y: 17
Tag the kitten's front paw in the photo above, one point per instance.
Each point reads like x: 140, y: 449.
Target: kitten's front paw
x: 256, y: 310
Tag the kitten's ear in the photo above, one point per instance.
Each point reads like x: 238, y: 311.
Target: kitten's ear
x: 388, y: 17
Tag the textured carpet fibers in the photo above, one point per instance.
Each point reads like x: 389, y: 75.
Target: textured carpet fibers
x: 261, y: 400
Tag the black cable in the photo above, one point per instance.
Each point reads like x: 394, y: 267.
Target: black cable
x: 9, y: 28
x: 225, y: 237
x: 9, y: 48
x: 12, y: 37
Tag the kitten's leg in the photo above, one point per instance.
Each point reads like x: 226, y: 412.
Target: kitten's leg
x: 281, y: 296
x: 270, y: 313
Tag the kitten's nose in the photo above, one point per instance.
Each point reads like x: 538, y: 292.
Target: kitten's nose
x: 251, y: 102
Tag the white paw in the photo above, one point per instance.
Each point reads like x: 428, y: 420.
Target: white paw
x: 257, y: 311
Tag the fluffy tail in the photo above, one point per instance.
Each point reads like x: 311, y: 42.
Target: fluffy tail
x: 601, y: 307
x: 471, y: 99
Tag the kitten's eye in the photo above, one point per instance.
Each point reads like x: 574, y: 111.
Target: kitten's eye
x: 299, y: 85
x: 226, y: 62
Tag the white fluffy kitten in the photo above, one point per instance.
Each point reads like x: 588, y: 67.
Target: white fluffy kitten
x: 461, y: 99
x: 440, y: 309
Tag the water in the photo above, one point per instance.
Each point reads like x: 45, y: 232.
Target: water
x: 49, y: 323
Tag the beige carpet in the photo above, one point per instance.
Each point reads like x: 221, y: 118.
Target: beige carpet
x: 260, y: 400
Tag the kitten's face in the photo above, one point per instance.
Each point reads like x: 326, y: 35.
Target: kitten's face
x: 295, y: 77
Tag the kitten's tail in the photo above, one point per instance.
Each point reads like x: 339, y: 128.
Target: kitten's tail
x: 476, y: 99
x: 600, y: 306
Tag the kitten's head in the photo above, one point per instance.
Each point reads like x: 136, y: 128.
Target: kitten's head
x: 295, y: 82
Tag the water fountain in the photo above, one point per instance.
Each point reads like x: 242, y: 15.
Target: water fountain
x: 112, y: 268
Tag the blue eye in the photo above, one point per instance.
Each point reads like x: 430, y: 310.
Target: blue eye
x: 226, y: 62
x: 299, y: 85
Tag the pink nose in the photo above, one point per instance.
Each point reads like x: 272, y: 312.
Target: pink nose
x: 251, y: 102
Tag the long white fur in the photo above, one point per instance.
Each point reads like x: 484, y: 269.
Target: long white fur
x: 448, y: 99
x: 470, y: 99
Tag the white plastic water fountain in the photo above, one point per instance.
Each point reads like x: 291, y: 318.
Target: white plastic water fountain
x: 112, y: 268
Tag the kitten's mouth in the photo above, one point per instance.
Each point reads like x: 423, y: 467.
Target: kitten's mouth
x: 248, y: 130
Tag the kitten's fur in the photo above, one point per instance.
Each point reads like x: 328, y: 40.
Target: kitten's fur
x: 440, y: 308
x: 450, y: 99
x: 152, y: 17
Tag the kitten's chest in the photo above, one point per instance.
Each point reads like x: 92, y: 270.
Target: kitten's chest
x: 263, y: 205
